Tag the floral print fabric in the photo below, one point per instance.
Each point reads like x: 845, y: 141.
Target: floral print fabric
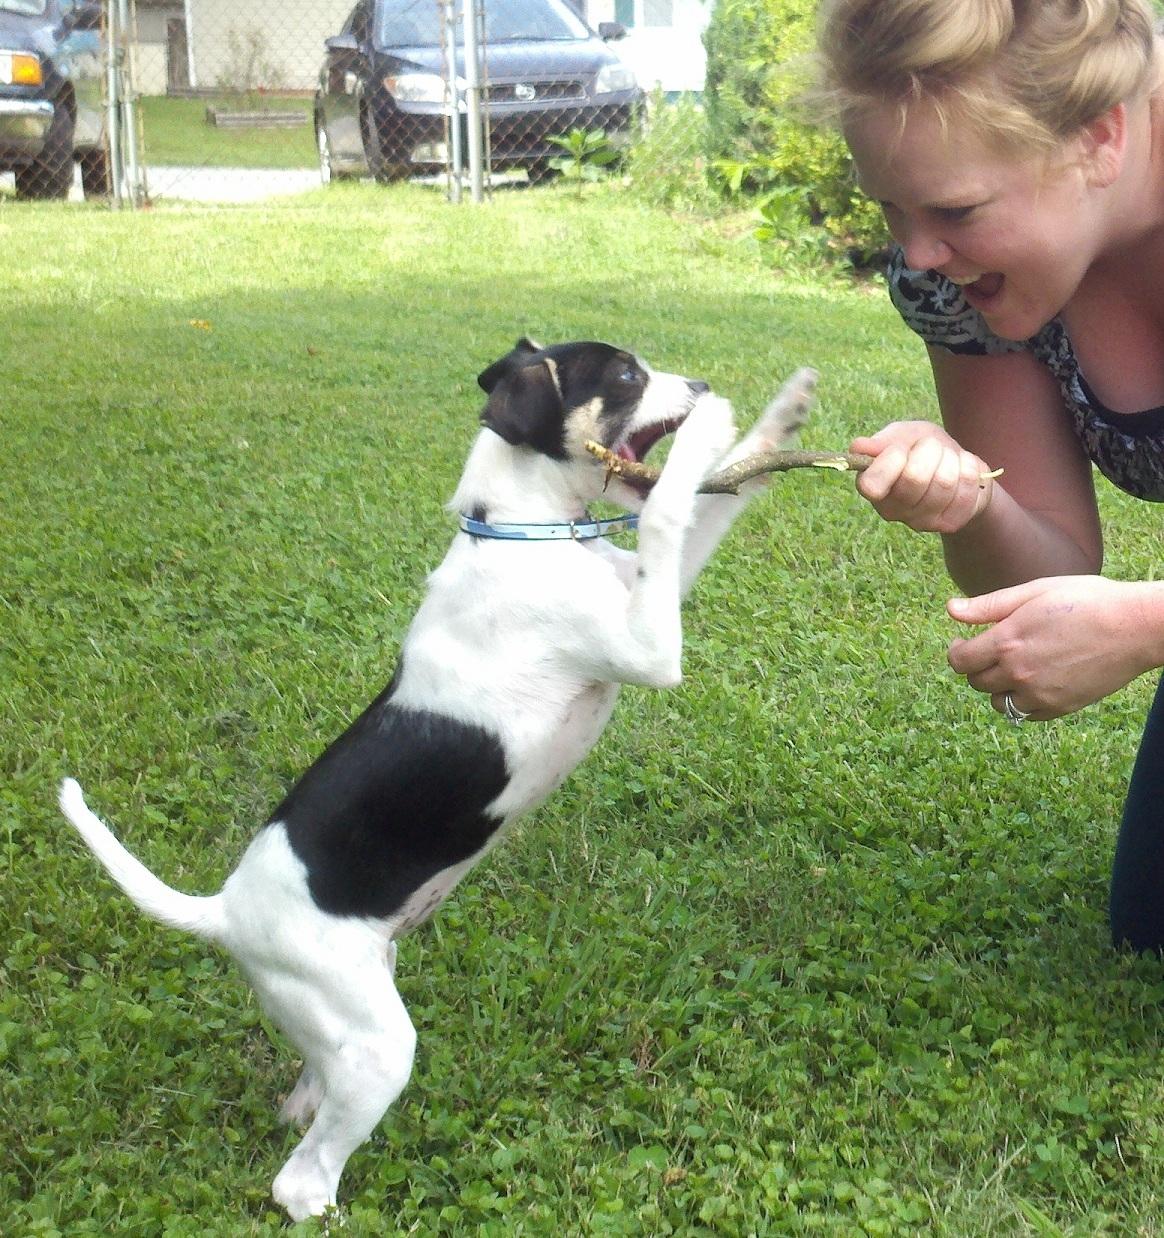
x: 1128, y: 449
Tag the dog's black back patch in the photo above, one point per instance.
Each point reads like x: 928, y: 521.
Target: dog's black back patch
x: 397, y: 798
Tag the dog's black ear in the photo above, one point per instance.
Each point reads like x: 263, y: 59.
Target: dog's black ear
x: 525, y: 407
x: 521, y: 352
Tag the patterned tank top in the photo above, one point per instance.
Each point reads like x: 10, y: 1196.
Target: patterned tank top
x: 1127, y: 448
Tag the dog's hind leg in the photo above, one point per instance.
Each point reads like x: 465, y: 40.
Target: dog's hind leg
x: 299, y: 1108
x: 362, y: 1069
x: 303, y: 1102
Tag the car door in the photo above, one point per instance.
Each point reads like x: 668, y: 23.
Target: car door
x: 341, y: 85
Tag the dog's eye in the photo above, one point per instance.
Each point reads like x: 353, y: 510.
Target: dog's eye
x: 629, y: 375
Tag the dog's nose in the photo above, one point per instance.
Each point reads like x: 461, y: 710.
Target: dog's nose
x: 697, y: 386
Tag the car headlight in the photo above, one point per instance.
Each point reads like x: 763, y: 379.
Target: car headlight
x: 417, y: 88
x: 613, y: 78
x: 20, y: 69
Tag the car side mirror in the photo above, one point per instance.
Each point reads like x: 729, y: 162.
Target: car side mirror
x: 611, y: 30
x: 342, y: 43
x: 83, y: 16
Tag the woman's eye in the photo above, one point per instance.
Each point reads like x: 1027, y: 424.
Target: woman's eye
x: 891, y: 213
x: 946, y: 214
x: 954, y: 214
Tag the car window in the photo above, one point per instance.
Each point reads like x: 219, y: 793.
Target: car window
x: 409, y: 23
x: 30, y: 8
x: 532, y: 19
x: 416, y: 23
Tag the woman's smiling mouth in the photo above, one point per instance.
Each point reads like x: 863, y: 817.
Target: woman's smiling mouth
x: 981, y: 291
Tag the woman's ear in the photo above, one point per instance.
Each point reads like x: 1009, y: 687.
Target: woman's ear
x: 1104, y: 145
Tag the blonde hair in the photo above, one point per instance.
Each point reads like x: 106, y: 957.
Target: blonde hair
x: 1025, y: 74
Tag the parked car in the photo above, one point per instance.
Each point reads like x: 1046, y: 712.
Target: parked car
x: 381, y: 102
x: 51, y: 112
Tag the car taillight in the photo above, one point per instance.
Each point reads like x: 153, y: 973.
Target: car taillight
x: 20, y: 69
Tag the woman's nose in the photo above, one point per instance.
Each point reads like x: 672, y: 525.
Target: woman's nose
x: 924, y: 250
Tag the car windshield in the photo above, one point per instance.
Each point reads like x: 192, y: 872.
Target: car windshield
x: 30, y: 8
x: 416, y: 23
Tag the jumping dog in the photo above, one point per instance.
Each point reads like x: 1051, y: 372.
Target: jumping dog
x: 507, y: 676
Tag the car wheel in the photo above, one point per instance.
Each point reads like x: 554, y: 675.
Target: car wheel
x: 51, y: 174
x: 95, y: 174
x: 381, y: 168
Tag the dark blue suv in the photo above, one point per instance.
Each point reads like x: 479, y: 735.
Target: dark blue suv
x: 51, y: 114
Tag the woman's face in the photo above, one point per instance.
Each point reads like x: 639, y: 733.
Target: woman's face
x: 1015, y: 232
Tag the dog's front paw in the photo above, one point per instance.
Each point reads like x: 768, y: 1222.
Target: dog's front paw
x: 699, y: 444
x: 701, y: 441
x: 786, y: 413
x: 713, y: 422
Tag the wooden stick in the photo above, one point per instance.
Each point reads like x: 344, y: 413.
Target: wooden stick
x: 730, y: 479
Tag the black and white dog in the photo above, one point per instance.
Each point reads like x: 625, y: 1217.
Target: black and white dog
x: 507, y: 677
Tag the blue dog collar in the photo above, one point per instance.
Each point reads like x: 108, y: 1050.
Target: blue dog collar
x: 574, y: 530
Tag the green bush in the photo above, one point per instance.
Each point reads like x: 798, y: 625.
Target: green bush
x: 761, y: 138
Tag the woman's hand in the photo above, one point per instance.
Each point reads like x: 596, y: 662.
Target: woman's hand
x: 1060, y: 643
x: 921, y: 477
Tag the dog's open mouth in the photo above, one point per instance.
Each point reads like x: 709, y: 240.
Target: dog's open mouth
x: 635, y: 447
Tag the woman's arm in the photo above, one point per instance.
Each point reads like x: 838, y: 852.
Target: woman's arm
x: 1058, y: 636
x: 1042, y: 519
x: 1038, y: 519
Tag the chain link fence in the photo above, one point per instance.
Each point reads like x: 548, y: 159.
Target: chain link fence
x: 134, y: 100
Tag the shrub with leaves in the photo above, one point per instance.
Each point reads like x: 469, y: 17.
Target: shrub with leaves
x: 787, y: 232
x: 248, y: 68
x: 761, y: 137
x: 588, y: 155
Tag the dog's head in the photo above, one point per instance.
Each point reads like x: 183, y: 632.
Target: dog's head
x: 552, y: 400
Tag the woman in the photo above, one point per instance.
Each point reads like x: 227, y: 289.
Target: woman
x: 1017, y: 149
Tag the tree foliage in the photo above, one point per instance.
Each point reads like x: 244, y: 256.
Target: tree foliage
x: 761, y: 134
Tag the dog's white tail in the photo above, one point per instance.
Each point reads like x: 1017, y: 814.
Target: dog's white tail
x: 201, y: 915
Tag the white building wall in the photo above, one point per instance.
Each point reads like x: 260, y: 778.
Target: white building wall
x: 664, y: 43
x: 149, y: 49
x: 149, y: 68
x: 286, y: 40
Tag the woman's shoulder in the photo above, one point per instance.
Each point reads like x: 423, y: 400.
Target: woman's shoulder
x: 935, y: 308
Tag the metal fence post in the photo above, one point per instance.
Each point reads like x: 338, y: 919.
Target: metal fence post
x: 126, y: 176
x: 455, y: 166
x: 473, y: 101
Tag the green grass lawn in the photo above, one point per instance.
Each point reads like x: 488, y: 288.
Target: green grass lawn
x: 175, y: 131
x: 815, y: 943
